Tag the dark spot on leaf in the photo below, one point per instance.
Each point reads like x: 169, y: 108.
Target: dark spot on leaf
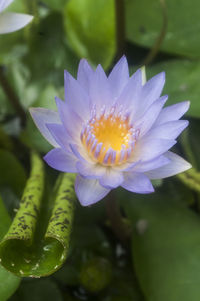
x: 66, y: 221
x: 29, y: 214
x: 142, y: 29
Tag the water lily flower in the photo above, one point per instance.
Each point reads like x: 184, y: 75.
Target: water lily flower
x: 10, y: 22
x: 112, y: 131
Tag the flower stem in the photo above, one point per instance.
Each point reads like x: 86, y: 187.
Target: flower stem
x: 155, y: 49
x: 119, y: 227
x: 12, y: 97
x: 120, y: 27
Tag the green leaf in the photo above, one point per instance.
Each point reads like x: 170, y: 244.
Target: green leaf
x: 165, y: 247
x: 32, y: 138
x: 46, y: 98
x: 191, y: 178
x: 40, y: 290
x: 124, y: 286
x: 13, y: 44
x: 90, y: 29
x: 182, y: 82
x: 5, y: 107
x: 8, y: 282
x: 47, y: 48
x: 144, y: 22
x: 56, y: 5
x: 12, y: 173
x: 96, y: 274
x: 5, y: 140
x: 42, y: 241
x: 191, y: 144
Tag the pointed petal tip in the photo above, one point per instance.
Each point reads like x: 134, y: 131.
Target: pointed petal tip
x: 162, y: 74
x: 35, y: 111
x: 58, y: 101
x: 11, y: 22
x: 89, y: 191
x: 83, y: 61
x: 122, y: 59
x: 187, y: 104
x: 61, y: 160
x: 176, y: 166
x: 85, y: 66
x: 186, y: 166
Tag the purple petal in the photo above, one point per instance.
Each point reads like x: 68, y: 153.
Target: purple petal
x: 76, y: 97
x: 119, y: 76
x: 60, y: 135
x: 58, y: 159
x: 130, y: 95
x: 100, y: 93
x: 151, y: 91
x: 71, y: 121
x: 89, y: 191
x: 147, y: 148
x: 89, y: 170
x: 151, y: 164
x: 43, y: 116
x: 173, y: 112
x: 136, y: 182
x: 10, y: 22
x: 168, y: 130
x: 81, y: 153
x: 111, y: 178
x: 85, y: 73
x: 148, y: 119
x: 176, y: 166
x: 4, y: 4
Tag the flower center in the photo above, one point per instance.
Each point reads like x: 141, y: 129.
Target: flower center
x: 109, y: 139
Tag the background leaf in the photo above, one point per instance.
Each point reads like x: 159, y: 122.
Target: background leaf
x: 8, y: 282
x: 90, y: 29
x: 12, y: 173
x: 41, y: 289
x: 182, y: 82
x: 165, y: 247
x: 144, y: 22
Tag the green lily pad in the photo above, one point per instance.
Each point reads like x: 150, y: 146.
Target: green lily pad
x: 144, y: 23
x: 90, y: 29
x: 182, y: 82
x: 41, y: 289
x: 165, y: 246
x: 49, y: 49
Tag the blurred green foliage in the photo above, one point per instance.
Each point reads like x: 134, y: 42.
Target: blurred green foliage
x: 163, y: 262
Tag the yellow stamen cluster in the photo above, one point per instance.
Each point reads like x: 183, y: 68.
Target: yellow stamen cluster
x: 109, y: 140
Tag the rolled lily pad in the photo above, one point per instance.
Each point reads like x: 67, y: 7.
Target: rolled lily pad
x: 36, y: 245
